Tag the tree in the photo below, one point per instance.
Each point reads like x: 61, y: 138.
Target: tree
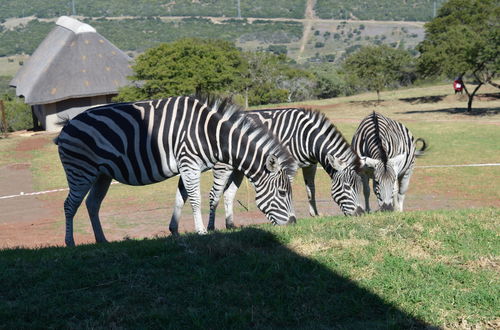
x: 185, y: 67
x: 378, y: 67
x: 463, y: 40
x: 271, y: 79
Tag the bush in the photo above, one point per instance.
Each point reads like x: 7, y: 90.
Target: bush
x: 319, y: 44
x: 18, y: 115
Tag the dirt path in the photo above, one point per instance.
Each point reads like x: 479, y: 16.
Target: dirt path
x: 309, y: 15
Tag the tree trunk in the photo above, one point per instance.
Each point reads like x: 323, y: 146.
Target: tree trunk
x: 471, y: 96
x: 378, y: 96
x: 246, y: 98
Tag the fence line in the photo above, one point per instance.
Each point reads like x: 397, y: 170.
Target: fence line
x: 115, y: 182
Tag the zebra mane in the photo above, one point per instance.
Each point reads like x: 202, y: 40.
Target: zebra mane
x: 319, y: 116
x: 378, y: 140
x: 236, y: 114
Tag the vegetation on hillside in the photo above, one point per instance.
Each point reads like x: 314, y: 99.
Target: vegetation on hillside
x: 99, y: 8
x: 387, y: 10
x: 141, y: 34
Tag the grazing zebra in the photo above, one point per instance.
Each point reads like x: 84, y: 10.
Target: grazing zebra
x: 388, y: 151
x: 149, y: 141
x: 311, y: 139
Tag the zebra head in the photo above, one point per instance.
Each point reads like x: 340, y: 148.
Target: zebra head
x: 273, y: 191
x: 346, y: 187
x: 385, y: 179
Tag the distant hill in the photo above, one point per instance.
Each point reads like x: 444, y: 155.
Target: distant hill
x: 393, y: 10
x: 316, y: 31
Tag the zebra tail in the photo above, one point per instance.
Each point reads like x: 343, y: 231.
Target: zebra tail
x: 63, y: 123
x: 421, y: 151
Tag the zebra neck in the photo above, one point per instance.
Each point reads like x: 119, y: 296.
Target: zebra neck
x: 341, y: 150
x: 245, y: 150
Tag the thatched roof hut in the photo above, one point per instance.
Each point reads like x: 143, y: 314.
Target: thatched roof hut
x: 74, y: 68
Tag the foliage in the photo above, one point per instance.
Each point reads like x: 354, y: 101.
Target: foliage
x: 23, y: 39
x: 378, y: 67
x: 330, y: 82
x: 5, y: 89
x: 270, y: 78
x: 99, y: 8
x: 463, y: 39
x: 142, y: 33
x: 398, y: 271
x: 387, y: 10
x: 18, y: 114
x: 277, y: 49
x: 185, y: 67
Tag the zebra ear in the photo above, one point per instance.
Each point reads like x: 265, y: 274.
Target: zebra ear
x: 398, y: 161
x: 337, y: 163
x: 272, y: 163
x: 368, y: 162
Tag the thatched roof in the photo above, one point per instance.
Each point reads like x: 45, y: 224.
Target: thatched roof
x: 72, y: 61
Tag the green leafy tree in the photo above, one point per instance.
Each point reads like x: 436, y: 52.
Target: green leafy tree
x: 271, y: 78
x: 463, y: 40
x: 184, y: 67
x: 377, y: 67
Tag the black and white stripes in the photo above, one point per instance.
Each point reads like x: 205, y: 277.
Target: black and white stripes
x: 146, y: 142
x: 387, y: 150
x: 311, y: 139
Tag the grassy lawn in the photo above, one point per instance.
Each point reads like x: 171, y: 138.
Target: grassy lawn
x: 421, y: 268
x: 415, y: 269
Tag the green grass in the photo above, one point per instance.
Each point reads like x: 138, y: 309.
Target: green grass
x: 377, y: 271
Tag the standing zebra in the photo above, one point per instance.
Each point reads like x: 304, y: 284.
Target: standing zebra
x: 387, y: 150
x: 149, y: 141
x: 311, y: 139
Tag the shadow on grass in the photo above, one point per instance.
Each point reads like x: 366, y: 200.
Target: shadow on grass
x: 240, y: 279
x: 462, y: 111
x: 424, y: 99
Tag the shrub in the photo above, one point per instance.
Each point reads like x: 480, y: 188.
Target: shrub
x: 18, y: 115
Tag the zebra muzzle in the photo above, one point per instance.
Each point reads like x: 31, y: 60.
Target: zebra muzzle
x: 387, y: 207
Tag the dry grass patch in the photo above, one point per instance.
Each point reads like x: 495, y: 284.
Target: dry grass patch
x: 484, y: 263
x: 308, y: 248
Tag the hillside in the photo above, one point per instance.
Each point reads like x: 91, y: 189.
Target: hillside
x: 412, y: 10
x: 304, y: 29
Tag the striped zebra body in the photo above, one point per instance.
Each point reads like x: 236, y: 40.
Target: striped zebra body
x: 147, y: 142
x: 387, y: 150
x: 311, y: 139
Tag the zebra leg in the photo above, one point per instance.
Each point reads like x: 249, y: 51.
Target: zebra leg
x: 75, y: 197
x: 403, y: 188
x: 222, y: 173
x: 309, y: 173
x: 229, y: 194
x: 366, y: 191
x: 180, y: 199
x: 191, y: 179
x: 93, y: 202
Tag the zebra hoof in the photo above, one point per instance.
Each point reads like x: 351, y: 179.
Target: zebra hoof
x: 70, y: 243
x: 230, y: 226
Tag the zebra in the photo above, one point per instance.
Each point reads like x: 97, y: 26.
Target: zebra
x: 145, y: 142
x: 387, y: 149
x: 311, y: 138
